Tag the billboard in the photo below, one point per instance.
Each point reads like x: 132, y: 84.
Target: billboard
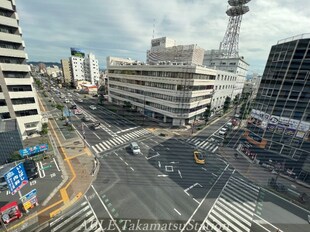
x: 280, y: 125
x: 77, y: 52
x: 33, y: 150
x: 16, y: 178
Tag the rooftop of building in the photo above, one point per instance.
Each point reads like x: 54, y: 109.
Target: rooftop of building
x: 7, y: 125
x: 296, y: 37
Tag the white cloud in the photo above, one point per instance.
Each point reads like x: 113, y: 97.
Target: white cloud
x: 125, y: 28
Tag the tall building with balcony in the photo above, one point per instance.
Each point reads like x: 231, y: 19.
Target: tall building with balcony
x: 176, y: 94
x: 280, y: 119
x: 18, y: 99
x: 165, y: 49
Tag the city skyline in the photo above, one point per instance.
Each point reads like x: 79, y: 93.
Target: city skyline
x: 110, y: 29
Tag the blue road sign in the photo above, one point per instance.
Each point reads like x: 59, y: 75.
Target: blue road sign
x: 33, y: 150
x: 16, y: 178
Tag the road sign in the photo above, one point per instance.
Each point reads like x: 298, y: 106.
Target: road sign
x: 16, y: 178
x: 33, y: 150
x: 30, y: 199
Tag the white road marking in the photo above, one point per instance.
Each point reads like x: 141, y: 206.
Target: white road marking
x: 159, y: 164
x: 190, y: 218
x: 168, y: 148
x: 132, y: 169
x: 214, y: 174
x: 196, y: 200
x: 96, y: 135
x: 169, y: 168
x: 157, y: 154
x: 162, y: 175
x: 190, y: 187
x: 180, y: 174
x: 113, y: 220
x: 56, y: 164
x: 121, y: 158
x: 204, y: 169
x: 126, y: 163
x: 177, y: 211
x: 42, y: 169
x: 95, y: 149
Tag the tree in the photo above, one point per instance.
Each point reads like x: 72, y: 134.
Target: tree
x: 207, y: 113
x: 60, y: 107
x: 244, y: 110
x: 44, y: 129
x: 127, y: 105
x: 236, y: 99
x: 226, y: 104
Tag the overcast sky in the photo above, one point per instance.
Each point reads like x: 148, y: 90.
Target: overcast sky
x: 124, y: 28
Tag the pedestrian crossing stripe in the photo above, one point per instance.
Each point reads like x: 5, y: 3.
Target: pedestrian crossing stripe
x: 108, y: 144
x: 236, y: 203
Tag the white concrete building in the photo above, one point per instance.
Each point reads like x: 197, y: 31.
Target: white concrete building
x: 224, y: 86
x: 77, y: 68
x: 18, y: 98
x: 213, y: 59
x: 177, y: 94
x: 165, y: 49
x: 91, y: 68
x: 85, y: 69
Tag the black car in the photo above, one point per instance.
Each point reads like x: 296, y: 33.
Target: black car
x: 31, y: 169
x: 95, y: 125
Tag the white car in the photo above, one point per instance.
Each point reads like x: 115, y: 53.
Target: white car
x: 222, y: 132
x: 92, y: 107
x: 80, y: 100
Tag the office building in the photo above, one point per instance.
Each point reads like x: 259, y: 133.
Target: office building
x: 165, y: 49
x: 18, y: 99
x: 214, y: 59
x: 224, y: 86
x: 10, y: 140
x: 91, y: 68
x: 280, y: 119
x: 177, y: 94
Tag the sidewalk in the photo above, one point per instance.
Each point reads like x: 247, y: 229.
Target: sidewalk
x: 77, y: 166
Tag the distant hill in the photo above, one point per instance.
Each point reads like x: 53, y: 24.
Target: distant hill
x: 47, y: 64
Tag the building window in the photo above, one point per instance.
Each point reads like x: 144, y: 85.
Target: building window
x: 24, y: 113
x: 19, y: 88
x: 20, y: 101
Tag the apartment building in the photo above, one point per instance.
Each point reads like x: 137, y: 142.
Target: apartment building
x: 165, y: 49
x: 83, y: 68
x: 280, y: 120
x: 18, y: 99
x: 177, y: 94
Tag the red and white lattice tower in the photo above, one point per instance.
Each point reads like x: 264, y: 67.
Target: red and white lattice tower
x: 229, y: 47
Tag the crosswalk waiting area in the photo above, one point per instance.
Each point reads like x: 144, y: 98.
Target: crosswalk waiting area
x: 119, y: 140
x: 80, y: 218
x: 234, y: 209
x: 208, y: 144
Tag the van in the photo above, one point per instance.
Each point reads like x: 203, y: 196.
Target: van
x: 135, y: 148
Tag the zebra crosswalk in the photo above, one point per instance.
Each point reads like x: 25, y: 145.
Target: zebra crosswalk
x: 120, y: 139
x: 234, y: 208
x: 209, y: 144
x: 80, y: 218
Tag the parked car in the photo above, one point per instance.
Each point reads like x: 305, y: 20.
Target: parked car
x: 80, y: 100
x: 31, y: 169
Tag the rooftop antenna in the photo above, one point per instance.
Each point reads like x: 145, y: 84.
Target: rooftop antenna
x: 230, y: 44
x: 153, y: 28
